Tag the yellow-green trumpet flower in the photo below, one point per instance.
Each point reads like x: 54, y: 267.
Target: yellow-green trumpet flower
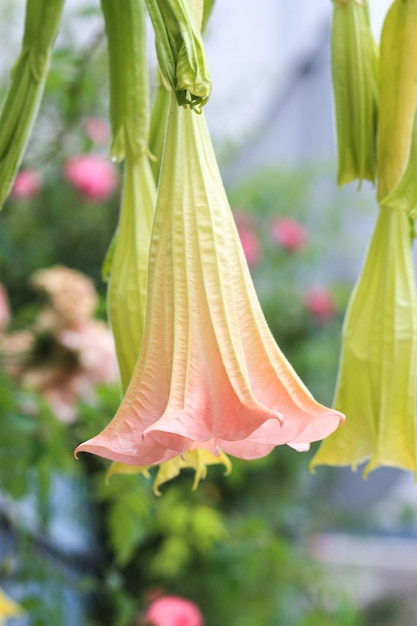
x: 377, y: 379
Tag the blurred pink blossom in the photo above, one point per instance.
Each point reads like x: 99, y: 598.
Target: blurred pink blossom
x: 97, y: 130
x: 92, y: 175
x: 289, y: 233
x: 66, y: 353
x: 26, y: 185
x: 5, y: 313
x: 248, y: 238
x: 173, y: 611
x: 320, y: 303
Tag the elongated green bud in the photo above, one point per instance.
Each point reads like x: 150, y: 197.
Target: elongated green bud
x: 126, y: 297
x: 354, y: 61
x: 129, y: 87
x: 29, y: 74
x: 180, y: 51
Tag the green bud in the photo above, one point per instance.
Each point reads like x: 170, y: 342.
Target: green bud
x: 128, y: 263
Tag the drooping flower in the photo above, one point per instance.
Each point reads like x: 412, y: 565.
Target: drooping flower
x: 289, y: 233
x: 377, y: 379
x: 173, y: 611
x: 92, y: 176
x: 26, y: 185
x: 209, y: 374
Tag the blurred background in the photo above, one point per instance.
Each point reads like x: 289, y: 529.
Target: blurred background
x: 271, y: 544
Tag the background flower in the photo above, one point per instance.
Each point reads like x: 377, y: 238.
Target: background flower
x: 289, y: 233
x: 26, y: 185
x: 93, y: 177
x: 320, y: 303
x: 173, y: 611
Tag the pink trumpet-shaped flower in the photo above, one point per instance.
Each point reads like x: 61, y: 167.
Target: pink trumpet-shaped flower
x: 209, y: 374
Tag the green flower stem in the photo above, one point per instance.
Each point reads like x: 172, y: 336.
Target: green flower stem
x: 126, y: 298
x: 28, y: 76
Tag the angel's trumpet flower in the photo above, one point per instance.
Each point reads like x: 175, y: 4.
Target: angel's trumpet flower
x: 209, y: 374
x: 378, y: 368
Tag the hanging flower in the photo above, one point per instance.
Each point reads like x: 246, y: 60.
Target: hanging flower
x: 209, y: 374
x: 378, y: 367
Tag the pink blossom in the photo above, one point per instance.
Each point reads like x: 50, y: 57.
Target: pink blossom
x: 173, y: 611
x: 320, y: 303
x: 4, y: 308
x: 92, y: 175
x: 26, y: 185
x: 97, y: 130
x: 209, y: 376
x: 248, y: 239
x: 289, y: 233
